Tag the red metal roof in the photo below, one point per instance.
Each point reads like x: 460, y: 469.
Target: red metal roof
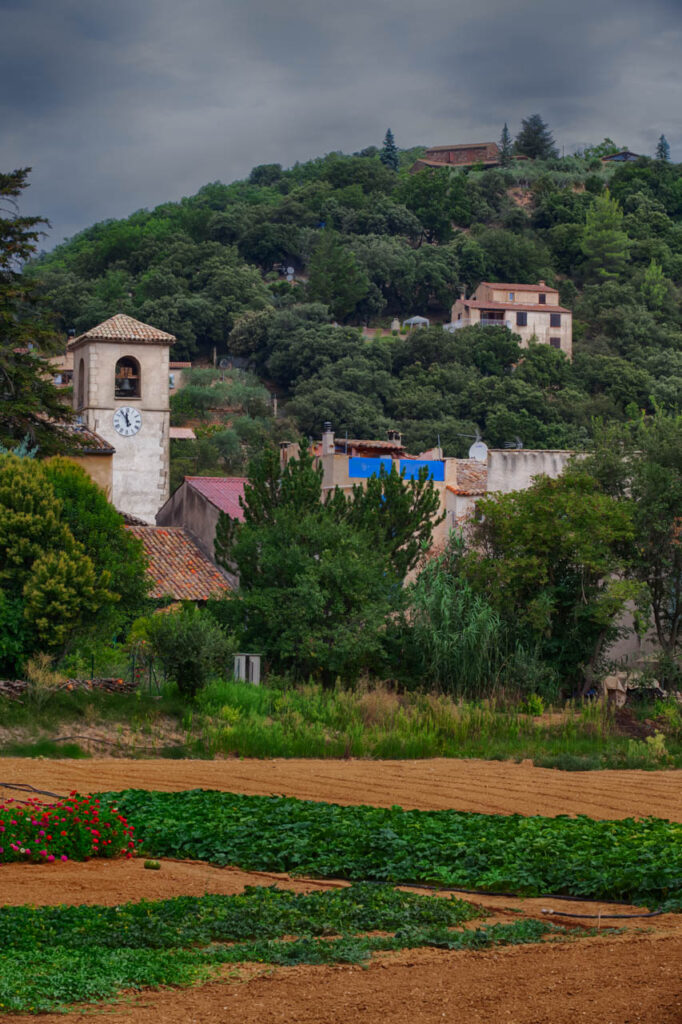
x: 176, y: 565
x: 222, y: 491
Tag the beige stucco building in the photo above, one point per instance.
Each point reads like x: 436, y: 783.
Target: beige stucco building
x: 529, y: 310
x: 120, y: 391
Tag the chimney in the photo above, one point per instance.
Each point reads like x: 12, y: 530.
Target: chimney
x: 396, y: 436
x: 328, y: 440
x: 541, y: 284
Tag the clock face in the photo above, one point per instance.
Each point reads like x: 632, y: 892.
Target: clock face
x: 127, y: 421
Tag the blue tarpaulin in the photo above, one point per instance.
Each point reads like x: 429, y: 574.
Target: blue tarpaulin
x: 411, y: 468
x: 364, y: 468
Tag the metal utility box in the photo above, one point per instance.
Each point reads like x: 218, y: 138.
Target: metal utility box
x: 247, y: 668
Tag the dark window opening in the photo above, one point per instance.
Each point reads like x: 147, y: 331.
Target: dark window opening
x: 555, y: 319
x: 555, y: 342
x: 521, y: 319
x: 542, y: 298
x: 81, y: 384
x: 127, y: 383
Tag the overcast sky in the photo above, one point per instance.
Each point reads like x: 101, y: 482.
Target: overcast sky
x: 123, y: 104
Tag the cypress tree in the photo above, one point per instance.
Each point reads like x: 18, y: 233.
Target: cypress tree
x: 389, y: 152
x: 663, y: 149
x: 505, y: 147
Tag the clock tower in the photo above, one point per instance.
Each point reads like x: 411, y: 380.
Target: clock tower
x: 120, y: 390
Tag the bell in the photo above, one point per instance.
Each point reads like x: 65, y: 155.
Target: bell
x: 126, y: 385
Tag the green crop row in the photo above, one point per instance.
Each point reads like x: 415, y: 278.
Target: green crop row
x: 259, y: 913
x: 638, y: 861
x: 54, y: 956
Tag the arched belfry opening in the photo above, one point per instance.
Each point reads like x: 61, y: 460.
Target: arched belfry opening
x: 127, y: 378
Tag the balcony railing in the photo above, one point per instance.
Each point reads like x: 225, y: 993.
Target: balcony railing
x: 485, y: 321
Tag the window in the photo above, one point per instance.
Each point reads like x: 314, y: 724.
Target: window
x: 127, y: 381
x: 521, y: 319
x: 555, y: 319
x: 542, y: 298
x: 555, y: 342
x: 81, y: 384
x: 511, y: 296
x: 171, y: 380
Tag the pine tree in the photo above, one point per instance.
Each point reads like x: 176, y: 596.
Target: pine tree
x: 30, y: 402
x: 535, y: 140
x: 605, y: 244
x: 389, y: 152
x: 663, y: 149
x: 505, y: 147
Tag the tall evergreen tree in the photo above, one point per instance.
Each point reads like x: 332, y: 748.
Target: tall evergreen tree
x: 506, y: 147
x: 663, y: 149
x: 389, y: 152
x: 535, y: 140
x: 29, y: 402
x: 605, y: 244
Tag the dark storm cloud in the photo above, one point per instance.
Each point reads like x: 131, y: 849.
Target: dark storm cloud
x: 128, y: 104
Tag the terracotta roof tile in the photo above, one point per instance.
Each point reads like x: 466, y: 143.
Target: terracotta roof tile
x: 511, y: 306
x: 176, y: 565
x: 124, y: 328
x: 539, y: 287
x: 87, y: 441
x: 222, y: 491
x: 181, y: 434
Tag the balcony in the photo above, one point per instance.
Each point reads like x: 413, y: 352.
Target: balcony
x: 485, y: 321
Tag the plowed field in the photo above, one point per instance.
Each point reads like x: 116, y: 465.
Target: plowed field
x: 629, y: 979
x: 494, y: 787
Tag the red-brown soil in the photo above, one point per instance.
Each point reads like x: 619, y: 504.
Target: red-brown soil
x: 626, y: 979
x: 493, y: 787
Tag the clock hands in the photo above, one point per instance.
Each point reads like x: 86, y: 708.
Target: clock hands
x: 125, y: 413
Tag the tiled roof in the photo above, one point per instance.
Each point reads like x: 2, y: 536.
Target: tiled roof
x: 179, y: 366
x: 465, y: 145
x: 87, y: 441
x: 358, y: 443
x: 177, y: 566
x: 471, y: 474
x: 222, y: 491
x: 511, y: 306
x: 539, y: 287
x: 181, y: 434
x: 124, y: 328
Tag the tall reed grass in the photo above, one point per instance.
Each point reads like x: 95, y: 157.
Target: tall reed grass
x: 238, y: 719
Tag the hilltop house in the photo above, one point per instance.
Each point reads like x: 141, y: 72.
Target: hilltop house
x: 530, y: 310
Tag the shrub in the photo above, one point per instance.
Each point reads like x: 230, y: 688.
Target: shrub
x: 190, y: 645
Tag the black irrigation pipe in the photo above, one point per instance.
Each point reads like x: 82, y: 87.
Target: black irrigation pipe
x: 23, y: 787
x: 539, y: 896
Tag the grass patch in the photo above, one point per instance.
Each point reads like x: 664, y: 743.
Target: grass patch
x: 628, y: 861
x: 93, y: 953
x: 237, y: 719
x: 43, y: 748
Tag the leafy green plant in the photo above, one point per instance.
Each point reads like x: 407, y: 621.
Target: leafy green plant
x: 635, y: 861
x: 54, y: 956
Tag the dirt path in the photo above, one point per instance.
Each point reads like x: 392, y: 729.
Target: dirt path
x: 494, y: 787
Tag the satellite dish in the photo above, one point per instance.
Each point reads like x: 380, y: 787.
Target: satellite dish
x: 290, y: 270
x: 290, y: 278
x: 224, y: 363
x: 479, y: 451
